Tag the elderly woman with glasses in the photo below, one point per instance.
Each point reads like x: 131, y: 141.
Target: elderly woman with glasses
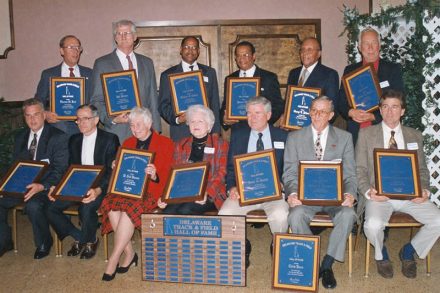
x: 206, y: 147
x: 122, y: 215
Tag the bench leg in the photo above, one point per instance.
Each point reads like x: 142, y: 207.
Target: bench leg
x: 14, y: 229
x: 350, y: 255
x: 105, y: 239
x: 428, y: 264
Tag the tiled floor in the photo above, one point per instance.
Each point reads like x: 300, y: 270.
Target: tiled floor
x: 19, y: 272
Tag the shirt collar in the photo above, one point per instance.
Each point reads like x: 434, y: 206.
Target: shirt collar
x: 375, y: 64
x: 323, y: 132
x: 92, y: 135
x: 122, y: 55
x: 250, y: 72
x: 185, y: 66
x: 310, y: 68
x: 397, y: 129
x: 66, y: 67
x: 264, y: 132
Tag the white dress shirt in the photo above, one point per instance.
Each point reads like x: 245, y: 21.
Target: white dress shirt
x: 249, y: 73
x: 65, y: 72
x: 88, y: 149
x: 324, y: 135
x: 124, y: 62
x: 31, y: 137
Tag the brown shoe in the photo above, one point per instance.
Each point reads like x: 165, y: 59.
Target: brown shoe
x: 90, y: 250
x: 385, y: 268
x: 409, y: 267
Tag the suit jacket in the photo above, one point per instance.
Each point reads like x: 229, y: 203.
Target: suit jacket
x: 323, y: 77
x: 387, y: 71
x: 147, y: 91
x: 270, y: 89
x: 239, y: 144
x: 371, y: 138
x: 104, y: 153
x: 51, y: 148
x: 43, y: 93
x: 166, y: 109
x: 300, y: 146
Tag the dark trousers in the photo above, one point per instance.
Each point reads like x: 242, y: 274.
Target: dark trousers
x: 36, y: 209
x: 63, y: 225
x: 189, y: 208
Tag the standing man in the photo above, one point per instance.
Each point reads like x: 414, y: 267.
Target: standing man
x: 123, y: 58
x: 70, y: 50
x: 92, y: 146
x: 321, y: 141
x: 312, y: 73
x: 257, y: 135
x: 38, y: 142
x: 389, y: 75
x: 190, y: 51
x: 245, y: 57
x: 391, y: 134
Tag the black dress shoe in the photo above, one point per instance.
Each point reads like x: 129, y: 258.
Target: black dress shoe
x: 258, y: 225
x: 107, y: 277
x: 42, y: 252
x: 271, y: 248
x: 8, y: 247
x: 76, y: 249
x: 122, y: 270
x: 90, y: 250
x: 328, y: 279
x: 247, y: 250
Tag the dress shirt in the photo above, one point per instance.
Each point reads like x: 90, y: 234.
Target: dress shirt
x: 124, y: 62
x: 186, y: 68
x: 324, y: 135
x: 249, y: 73
x: 309, y: 69
x: 398, y: 136
x: 267, y: 141
x: 88, y: 148
x: 65, y: 72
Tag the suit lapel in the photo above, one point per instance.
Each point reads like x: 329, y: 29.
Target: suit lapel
x: 331, y: 145
x: 99, y: 146
x: 42, y: 143
x: 314, y: 76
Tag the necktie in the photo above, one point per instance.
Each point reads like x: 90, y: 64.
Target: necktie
x: 244, y: 73
x: 33, y: 146
x: 318, y: 148
x: 303, y: 77
x: 71, y: 72
x: 191, y: 67
x: 392, y: 144
x: 260, y: 145
x: 130, y: 64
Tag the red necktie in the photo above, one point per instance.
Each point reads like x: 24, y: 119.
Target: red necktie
x: 130, y: 64
x: 71, y: 72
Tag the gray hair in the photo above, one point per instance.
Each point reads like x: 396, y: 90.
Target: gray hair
x: 323, y: 98
x: 205, y: 111
x: 260, y: 100
x: 367, y: 30
x: 32, y: 102
x: 141, y: 112
x: 91, y: 107
x: 123, y: 22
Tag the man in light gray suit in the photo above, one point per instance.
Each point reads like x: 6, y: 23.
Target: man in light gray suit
x: 123, y: 58
x: 322, y: 141
x: 378, y: 208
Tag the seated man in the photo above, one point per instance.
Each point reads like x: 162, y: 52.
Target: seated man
x: 391, y: 134
x: 39, y: 141
x: 256, y: 136
x: 92, y: 146
x: 322, y: 141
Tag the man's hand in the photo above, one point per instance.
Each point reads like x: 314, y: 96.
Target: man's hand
x: 51, y: 117
x: 373, y: 196
x: 293, y: 200
x: 92, y: 194
x: 33, y: 189
x: 49, y: 194
x: 202, y: 202
x: 121, y: 118
x: 181, y: 118
x: 233, y: 193
x: 348, y: 200
x: 228, y: 122
x: 425, y: 197
x: 360, y: 116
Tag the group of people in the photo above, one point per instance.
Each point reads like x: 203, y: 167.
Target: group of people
x: 196, y: 136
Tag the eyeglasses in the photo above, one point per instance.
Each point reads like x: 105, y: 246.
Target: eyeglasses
x: 318, y: 112
x: 187, y: 47
x: 123, y: 34
x: 83, y: 119
x: 245, y: 56
x: 76, y: 48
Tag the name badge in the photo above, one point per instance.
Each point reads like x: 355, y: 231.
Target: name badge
x: 205, y: 79
x: 384, y: 84
x: 209, y: 150
x: 412, y: 146
x: 279, y: 145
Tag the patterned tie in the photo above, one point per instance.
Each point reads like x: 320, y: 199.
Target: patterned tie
x: 260, y: 145
x: 318, y: 148
x: 392, y: 144
x: 33, y: 146
x: 130, y: 64
x: 71, y: 72
x: 191, y: 67
x: 303, y: 77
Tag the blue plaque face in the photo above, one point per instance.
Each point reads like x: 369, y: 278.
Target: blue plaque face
x: 188, y: 92
x: 364, y: 91
x: 242, y: 91
x: 186, y: 183
x: 68, y: 97
x: 131, y: 176
x: 396, y: 175
x: 121, y: 92
x: 320, y: 184
x: 23, y: 176
x: 257, y: 175
x: 192, y: 227
x: 79, y: 183
x: 299, y: 115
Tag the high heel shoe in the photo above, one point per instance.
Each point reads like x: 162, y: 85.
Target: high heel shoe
x: 122, y: 270
x: 107, y: 277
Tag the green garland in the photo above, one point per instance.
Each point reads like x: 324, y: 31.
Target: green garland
x: 412, y: 55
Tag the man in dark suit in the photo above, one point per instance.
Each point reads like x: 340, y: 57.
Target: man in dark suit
x: 92, y: 146
x: 312, y: 73
x: 322, y: 141
x: 389, y: 75
x: 124, y: 58
x: 245, y: 57
x: 256, y: 135
x: 378, y: 208
x: 189, y: 50
x: 39, y: 142
x: 70, y: 50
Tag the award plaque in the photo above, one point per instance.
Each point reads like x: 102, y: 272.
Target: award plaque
x: 186, y: 183
x: 320, y: 183
x: 187, y: 89
x: 238, y: 91
x: 296, y: 262
x: 121, y: 91
x: 128, y: 177
x: 362, y: 88
x: 298, y: 102
x: 257, y: 177
x: 77, y: 181
x: 21, y: 174
x: 66, y: 95
x: 397, y: 173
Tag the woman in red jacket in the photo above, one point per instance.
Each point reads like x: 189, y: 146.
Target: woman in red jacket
x: 123, y: 215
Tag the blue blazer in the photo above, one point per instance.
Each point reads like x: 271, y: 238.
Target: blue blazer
x: 240, y: 134
x: 166, y: 109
